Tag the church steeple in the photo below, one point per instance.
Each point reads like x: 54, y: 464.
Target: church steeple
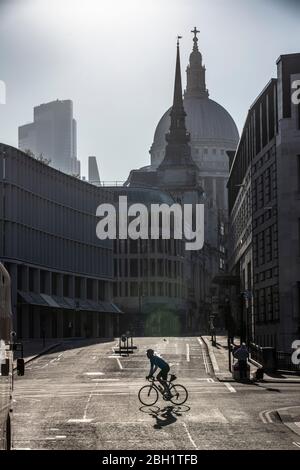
x: 177, y: 129
x: 178, y: 150
x: 195, y: 72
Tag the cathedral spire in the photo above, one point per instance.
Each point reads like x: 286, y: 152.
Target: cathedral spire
x: 178, y: 150
x: 196, y: 87
x: 177, y: 112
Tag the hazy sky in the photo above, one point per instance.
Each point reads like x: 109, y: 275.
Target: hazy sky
x: 115, y: 59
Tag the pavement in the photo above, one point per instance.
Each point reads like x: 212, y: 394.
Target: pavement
x: 82, y: 395
x: 35, y: 348
x: 220, y: 363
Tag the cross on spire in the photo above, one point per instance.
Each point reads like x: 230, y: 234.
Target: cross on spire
x: 195, y: 31
x: 195, y: 39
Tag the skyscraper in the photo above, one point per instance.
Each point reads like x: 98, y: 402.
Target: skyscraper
x: 93, y: 175
x: 54, y: 135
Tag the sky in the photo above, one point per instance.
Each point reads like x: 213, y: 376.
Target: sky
x: 116, y: 59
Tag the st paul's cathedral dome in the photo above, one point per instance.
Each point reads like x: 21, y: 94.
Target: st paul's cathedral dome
x: 212, y: 129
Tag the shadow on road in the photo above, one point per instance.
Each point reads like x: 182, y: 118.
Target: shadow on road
x: 165, y: 416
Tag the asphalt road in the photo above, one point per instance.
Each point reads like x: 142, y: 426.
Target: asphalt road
x: 85, y: 397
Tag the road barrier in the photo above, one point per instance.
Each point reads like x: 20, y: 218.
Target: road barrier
x: 124, y: 346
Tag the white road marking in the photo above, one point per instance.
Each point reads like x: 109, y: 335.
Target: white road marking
x: 189, y: 436
x: 82, y: 420
x: 265, y: 415
x: 21, y: 448
x: 297, y: 444
x: 60, y: 437
x: 205, y: 361
x: 94, y: 373
x: 230, y: 387
x: 207, y: 380
x: 203, y: 356
x: 105, y: 380
x: 119, y: 363
x: 88, y: 401
x: 262, y: 417
x: 187, y: 352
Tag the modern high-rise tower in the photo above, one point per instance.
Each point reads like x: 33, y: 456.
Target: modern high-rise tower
x: 53, y: 134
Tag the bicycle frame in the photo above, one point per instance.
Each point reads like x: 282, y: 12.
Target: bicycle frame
x: 153, y: 385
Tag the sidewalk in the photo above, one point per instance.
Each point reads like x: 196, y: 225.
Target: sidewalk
x: 290, y: 416
x: 219, y: 358
x: 35, y: 348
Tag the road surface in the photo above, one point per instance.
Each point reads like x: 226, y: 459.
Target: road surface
x: 83, y: 396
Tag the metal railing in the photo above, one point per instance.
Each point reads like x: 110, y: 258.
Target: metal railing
x: 284, y: 362
x: 256, y: 353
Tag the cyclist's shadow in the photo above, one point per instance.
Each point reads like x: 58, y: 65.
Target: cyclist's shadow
x: 169, y: 415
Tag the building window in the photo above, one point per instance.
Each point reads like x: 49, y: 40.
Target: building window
x: 115, y: 289
x: 275, y: 299
x: 133, y: 246
x: 268, y: 244
x: 43, y: 281
x: 89, y: 288
x: 66, y: 281
x: 134, y: 291
x: 77, y: 287
x: 31, y: 279
x: 262, y: 305
x: 160, y: 289
x: 260, y: 192
x: 145, y: 288
x: 267, y: 188
x: 134, y: 268
x: 261, y: 248
x: 101, y: 290
x: 160, y: 265
x: 269, y: 304
x: 152, y: 289
x: 160, y: 245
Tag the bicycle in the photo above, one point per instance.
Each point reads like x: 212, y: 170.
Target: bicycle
x: 148, y: 394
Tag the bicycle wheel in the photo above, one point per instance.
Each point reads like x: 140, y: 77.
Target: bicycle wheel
x: 148, y: 395
x: 179, y: 394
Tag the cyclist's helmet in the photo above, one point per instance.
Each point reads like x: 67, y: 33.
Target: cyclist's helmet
x: 150, y: 353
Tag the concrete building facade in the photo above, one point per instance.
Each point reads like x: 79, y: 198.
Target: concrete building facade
x: 265, y: 213
x: 150, y: 279
x: 62, y: 274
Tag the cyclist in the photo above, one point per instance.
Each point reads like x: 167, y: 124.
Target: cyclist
x: 157, y: 362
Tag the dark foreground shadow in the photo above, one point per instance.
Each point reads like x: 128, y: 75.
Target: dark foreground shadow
x: 165, y: 416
